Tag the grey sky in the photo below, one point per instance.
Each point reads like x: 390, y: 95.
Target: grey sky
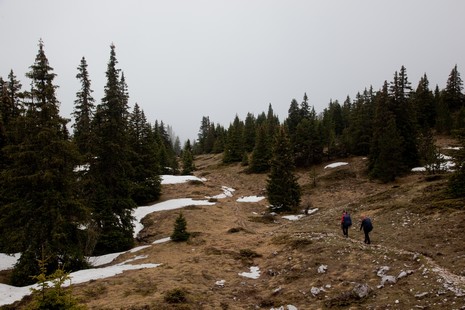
x: 184, y: 59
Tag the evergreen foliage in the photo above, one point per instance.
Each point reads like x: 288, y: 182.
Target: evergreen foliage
x: 144, y: 159
x: 385, y: 160
x: 50, y: 293
x: 234, y: 148
x: 261, y: 155
x: 282, y: 188
x: 111, y: 168
x: 40, y: 215
x: 187, y: 159
x: 180, y: 232
x: 84, y: 109
x: 453, y: 96
x: 249, y: 133
x: 424, y: 104
x: 456, y: 187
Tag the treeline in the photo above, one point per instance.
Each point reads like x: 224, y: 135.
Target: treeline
x: 392, y: 126
x: 64, y: 197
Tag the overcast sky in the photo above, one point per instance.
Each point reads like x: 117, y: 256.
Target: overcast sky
x: 185, y: 59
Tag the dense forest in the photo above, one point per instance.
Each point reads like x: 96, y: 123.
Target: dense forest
x: 65, y: 196
x: 394, y: 127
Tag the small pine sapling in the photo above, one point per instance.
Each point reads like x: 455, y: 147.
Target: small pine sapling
x: 180, y: 233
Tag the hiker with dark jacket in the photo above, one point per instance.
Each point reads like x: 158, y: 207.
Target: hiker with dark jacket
x: 367, y: 226
x: 346, y: 222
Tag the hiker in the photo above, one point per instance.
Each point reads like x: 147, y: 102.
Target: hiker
x: 346, y: 222
x: 367, y: 226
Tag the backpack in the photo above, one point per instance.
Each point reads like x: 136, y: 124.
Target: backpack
x: 368, y: 226
x: 347, y: 220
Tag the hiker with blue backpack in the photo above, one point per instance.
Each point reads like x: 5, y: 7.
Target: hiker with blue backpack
x: 367, y: 226
x: 346, y: 222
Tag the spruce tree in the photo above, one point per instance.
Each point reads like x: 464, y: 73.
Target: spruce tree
x: 249, y: 133
x: 388, y: 163
x: 187, y: 159
x: 84, y: 109
x: 261, y: 155
x: 361, y: 123
x: 424, y: 104
x: 385, y: 158
x: 180, y: 232
x: 400, y: 105
x: 146, y: 181
x: 234, y: 148
x: 282, y: 188
x: 456, y: 186
x: 453, y: 96
x: 293, y: 119
x: 40, y: 215
x: 111, y: 169
x: 167, y: 156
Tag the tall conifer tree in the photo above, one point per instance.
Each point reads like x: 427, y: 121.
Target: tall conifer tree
x: 111, y: 171
x: 84, y: 109
x: 42, y: 216
x: 144, y: 159
x: 234, y: 148
x: 282, y: 188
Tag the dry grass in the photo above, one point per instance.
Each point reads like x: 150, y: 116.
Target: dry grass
x: 414, y: 230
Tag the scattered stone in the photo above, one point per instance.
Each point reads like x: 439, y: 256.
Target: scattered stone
x: 315, y: 291
x: 388, y: 279
x: 382, y: 271
x: 421, y: 295
x: 361, y: 290
x: 322, y: 268
x: 403, y: 274
x: 220, y: 283
x: 276, y: 291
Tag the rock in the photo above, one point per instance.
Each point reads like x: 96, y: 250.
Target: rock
x: 220, y: 283
x: 277, y: 290
x: 421, y: 295
x: 361, y: 290
x: 382, y: 271
x: 315, y: 291
x: 322, y: 268
x: 388, y: 279
x: 401, y: 275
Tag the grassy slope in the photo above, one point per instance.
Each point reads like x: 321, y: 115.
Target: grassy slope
x: 413, y: 231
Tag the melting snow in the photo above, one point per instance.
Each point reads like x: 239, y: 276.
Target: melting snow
x: 293, y: 217
x: 172, y: 204
x: 176, y: 179
x: 227, y: 192
x: 161, y: 240
x: 250, y: 199
x: 334, y: 165
x: 253, y: 274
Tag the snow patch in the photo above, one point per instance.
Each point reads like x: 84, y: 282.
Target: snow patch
x: 250, y: 199
x: 253, y: 274
x: 293, y: 217
x: 176, y: 179
x: 334, y: 165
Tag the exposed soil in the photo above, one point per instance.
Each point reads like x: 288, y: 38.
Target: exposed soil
x: 416, y: 231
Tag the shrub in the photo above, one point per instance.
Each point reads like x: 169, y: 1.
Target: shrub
x: 180, y: 233
x: 175, y: 296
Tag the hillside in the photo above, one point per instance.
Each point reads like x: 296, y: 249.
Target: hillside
x: 417, y: 242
